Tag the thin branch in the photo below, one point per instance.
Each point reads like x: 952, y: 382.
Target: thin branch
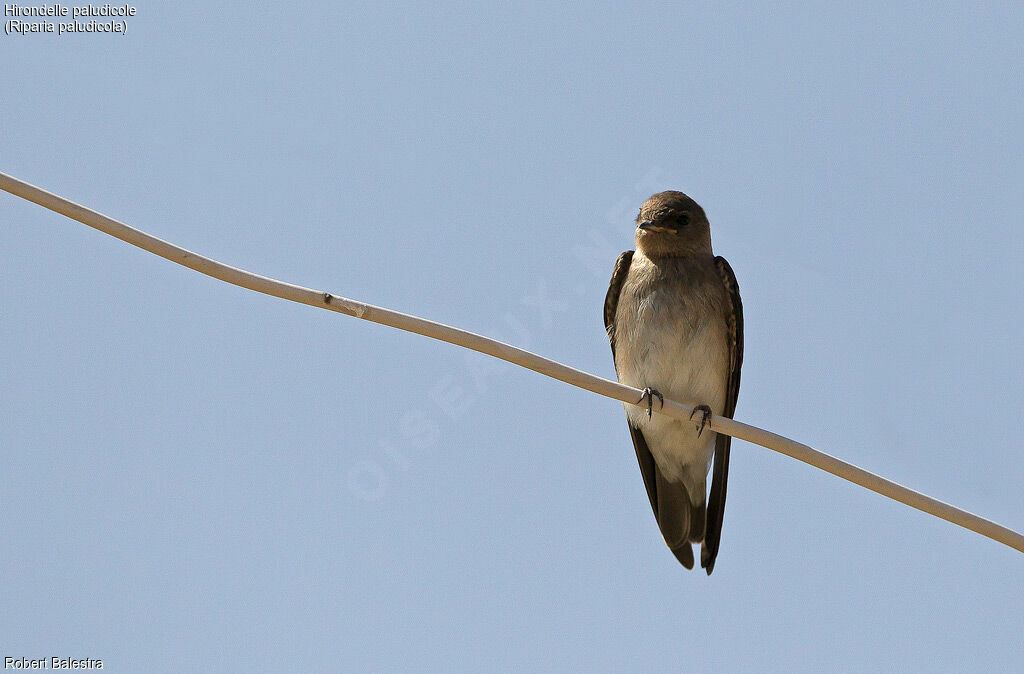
x: 508, y: 353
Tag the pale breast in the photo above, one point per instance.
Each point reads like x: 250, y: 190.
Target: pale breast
x: 671, y: 335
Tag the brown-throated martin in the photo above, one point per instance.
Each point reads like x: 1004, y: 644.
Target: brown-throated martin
x: 675, y: 322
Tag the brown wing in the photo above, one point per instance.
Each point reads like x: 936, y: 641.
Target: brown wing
x: 670, y: 502
x: 611, y: 300
x: 611, y: 305
x: 720, y: 478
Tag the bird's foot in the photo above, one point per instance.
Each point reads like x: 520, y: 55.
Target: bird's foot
x: 649, y: 395
x: 705, y: 414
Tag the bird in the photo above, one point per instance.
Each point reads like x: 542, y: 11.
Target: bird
x: 675, y: 322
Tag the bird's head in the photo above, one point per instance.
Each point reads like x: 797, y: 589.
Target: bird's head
x: 672, y: 224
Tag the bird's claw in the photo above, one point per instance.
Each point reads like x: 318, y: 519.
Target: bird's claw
x: 705, y: 415
x: 649, y: 395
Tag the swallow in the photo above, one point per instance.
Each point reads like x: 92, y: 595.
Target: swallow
x: 675, y: 321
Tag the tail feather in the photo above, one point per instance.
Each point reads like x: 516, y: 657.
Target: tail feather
x: 698, y: 520
x: 681, y: 521
x: 684, y: 553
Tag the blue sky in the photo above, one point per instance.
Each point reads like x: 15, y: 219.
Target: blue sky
x: 199, y: 477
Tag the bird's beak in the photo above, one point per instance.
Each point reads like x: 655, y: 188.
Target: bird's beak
x: 649, y: 226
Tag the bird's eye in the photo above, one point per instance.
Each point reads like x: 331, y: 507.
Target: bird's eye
x: 683, y: 219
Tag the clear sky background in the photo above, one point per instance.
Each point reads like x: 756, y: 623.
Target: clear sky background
x: 196, y: 477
